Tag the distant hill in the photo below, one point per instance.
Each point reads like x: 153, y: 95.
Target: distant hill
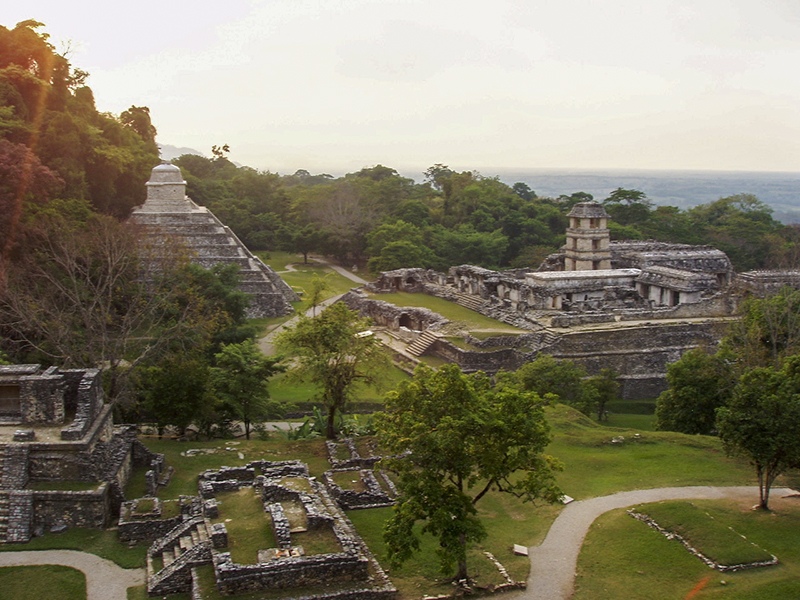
x: 168, y: 151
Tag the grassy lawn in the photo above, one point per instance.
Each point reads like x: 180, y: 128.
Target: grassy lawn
x: 249, y: 526
x: 299, y: 279
x: 284, y: 388
x: 596, y: 467
x: 421, y: 575
x: 301, y: 275
x: 452, y: 311
x: 626, y: 421
x: 54, y: 582
x: 593, y: 467
x: 708, y: 534
x: 624, y: 558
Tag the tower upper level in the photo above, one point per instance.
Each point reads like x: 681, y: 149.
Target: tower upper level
x: 166, y: 190
x: 588, y: 238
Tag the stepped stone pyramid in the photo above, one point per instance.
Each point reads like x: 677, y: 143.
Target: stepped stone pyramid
x: 168, y: 211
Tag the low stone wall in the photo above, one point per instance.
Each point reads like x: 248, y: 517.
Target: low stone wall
x: 89, y: 401
x: 373, y: 497
x: 15, y: 466
x: 571, y: 320
x: 521, y: 342
x: 393, y: 317
x: 246, y: 473
x: 20, y: 515
x: 136, y: 532
x: 507, y: 359
x: 289, y: 572
x: 354, y: 461
x: 137, y: 528
x: 58, y: 509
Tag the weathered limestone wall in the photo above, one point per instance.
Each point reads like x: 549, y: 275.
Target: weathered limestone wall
x: 90, y: 509
x: 283, y: 573
x: 85, y: 460
x: 88, y: 401
x: 42, y: 398
x: 507, y: 359
x: 639, y: 354
x: 391, y: 316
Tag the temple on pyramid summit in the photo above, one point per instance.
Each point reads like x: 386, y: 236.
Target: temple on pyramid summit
x: 169, y: 211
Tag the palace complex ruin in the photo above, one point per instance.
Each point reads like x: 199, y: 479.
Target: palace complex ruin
x: 168, y: 212
x: 632, y: 306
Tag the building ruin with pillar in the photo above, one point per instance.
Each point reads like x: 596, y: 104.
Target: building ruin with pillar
x: 632, y: 306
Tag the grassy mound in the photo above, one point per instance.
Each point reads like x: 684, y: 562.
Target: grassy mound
x: 709, y: 536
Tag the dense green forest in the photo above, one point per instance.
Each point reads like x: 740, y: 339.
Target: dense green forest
x: 379, y: 218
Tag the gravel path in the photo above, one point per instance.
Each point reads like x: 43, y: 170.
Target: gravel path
x: 104, y: 579
x: 553, y: 563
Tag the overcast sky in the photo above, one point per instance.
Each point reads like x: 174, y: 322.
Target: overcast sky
x: 336, y: 85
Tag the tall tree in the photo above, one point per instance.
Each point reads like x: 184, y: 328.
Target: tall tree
x: 605, y: 389
x: 699, y: 383
x: 564, y: 378
x: 761, y: 422
x: 334, y: 350
x: 768, y: 331
x: 240, y: 379
x: 23, y: 179
x: 461, y: 437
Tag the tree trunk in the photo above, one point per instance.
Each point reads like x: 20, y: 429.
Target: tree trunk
x: 246, y: 429
x: 763, y: 488
x: 330, y: 430
x: 461, y: 575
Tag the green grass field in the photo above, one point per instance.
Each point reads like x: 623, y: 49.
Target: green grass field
x: 53, y: 582
x: 624, y: 558
x: 301, y: 275
x: 249, y: 526
x: 594, y: 466
x: 705, y: 532
x: 284, y: 388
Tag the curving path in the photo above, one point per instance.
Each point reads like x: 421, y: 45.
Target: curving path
x: 104, y: 579
x: 553, y: 562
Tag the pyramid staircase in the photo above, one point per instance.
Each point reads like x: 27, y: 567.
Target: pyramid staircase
x: 421, y: 345
x: 186, y: 546
x: 213, y: 243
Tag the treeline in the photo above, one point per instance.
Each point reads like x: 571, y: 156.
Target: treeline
x: 379, y: 218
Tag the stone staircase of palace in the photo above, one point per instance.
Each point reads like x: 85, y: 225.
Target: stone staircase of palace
x: 421, y: 345
x: 186, y: 546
